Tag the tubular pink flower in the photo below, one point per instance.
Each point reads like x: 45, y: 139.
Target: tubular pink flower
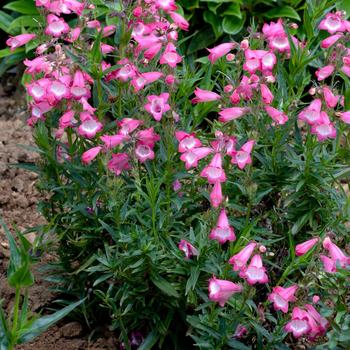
x: 19, y: 40
x: 268, y: 61
x: 205, y: 96
x: 242, y: 157
x: 166, y: 5
x: 324, y: 129
x: 67, y: 120
x: 108, y: 30
x: 89, y: 128
x: 89, y: 155
x: 303, y: 248
x: 329, y: 264
x: 157, y: 105
x: 232, y: 113
x: 281, y: 296
x: 56, y: 26
x: 333, y: 23
x: 214, y: 171
x: 255, y: 272
x: 112, y: 141
x: 317, y: 323
x: 324, y: 72
x: 329, y: 97
x: 218, y: 51
x: 222, y: 232
x: 144, y: 152
x: 170, y: 56
x: 328, y: 42
x: 336, y: 253
x: 345, y: 117
x: 299, y: 324
x: 216, y: 196
x: 128, y: 125
x: 147, y: 137
x: 240, y: 259
x: 312, y: 113
x: 221, y: 290
x: 179, y: 21
x: 188, y: 249
x: 279, y: 117
x: 266, y: 94
x: 118, y: 163
x: 187, y: 141
x: 192, y: 156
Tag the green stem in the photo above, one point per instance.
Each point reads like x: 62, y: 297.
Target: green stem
x: 15, y: 319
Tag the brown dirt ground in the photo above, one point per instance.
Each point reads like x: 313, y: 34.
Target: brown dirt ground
x: 18, y: 199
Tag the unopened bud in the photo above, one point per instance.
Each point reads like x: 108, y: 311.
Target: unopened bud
x: 244, y: 44
x: 230, y: 57
x: 312, y: 91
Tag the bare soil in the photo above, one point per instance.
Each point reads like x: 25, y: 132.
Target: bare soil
x: 18, y: 206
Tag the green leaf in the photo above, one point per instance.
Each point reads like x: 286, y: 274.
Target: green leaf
x: 5, y: 21
x: 149, y: 342
x: 192, y: 281
x: 164, y: 286
x: 25, y: 21
x: 233, y: 25
x: 4, y: 331
x: 22, y: 6
x: 7, y: 52
x: 43, y: 323
x: 203, y: 39
x: 345, y: 6
x: 233, y: 10
x: 282, y: 11
x: 214, y: 21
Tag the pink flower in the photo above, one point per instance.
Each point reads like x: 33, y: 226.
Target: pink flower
x: 192, y: 156
x: 299, y: 324
x: 128, y: 125
x: 329, y: 264
x: 219, y: 51
x: 157, y: 105
x: 90, y: 127
x: 67, y: 120
x: 170, y: 56
x: 276, y: 36
x: 222, y: 232
x: 221, y: 290
x: 56, y: 26
x: 328, y: 42
x: 240, y: 260
x: 317, y: 323
x: 118, y: 163
x: 216, y: 197
x: 303, y: 248
x: 312, y: 113
x: 19, y: 40
x: 281, y: 296
x: 205, y: 96
x: 255, y: 272
x: 89, y: 155
x: 144, y: 152
x: 315, y: 299
x: 139, y: 82
x: 279, y: 117
x: 266, y: 94
x: 166, y: 5
x: 268, y: 61
x: 331, y: 100
x: 188, y: 249
x: 214, y: 171
x: 336, y: 253
x: 112, y: 141
x: 240, y: 331
x: 333, y: 23
x: 108, y: 30
x: 324, y: 72
x: 232, y: 113
x: 179, y: 20
x: 324, y: 128
x: 345, y: 117
x: 147, y: 137
x: 187, y: 141
x: 242, y: 157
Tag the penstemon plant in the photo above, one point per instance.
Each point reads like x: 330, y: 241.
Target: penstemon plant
x: 222, y: 217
